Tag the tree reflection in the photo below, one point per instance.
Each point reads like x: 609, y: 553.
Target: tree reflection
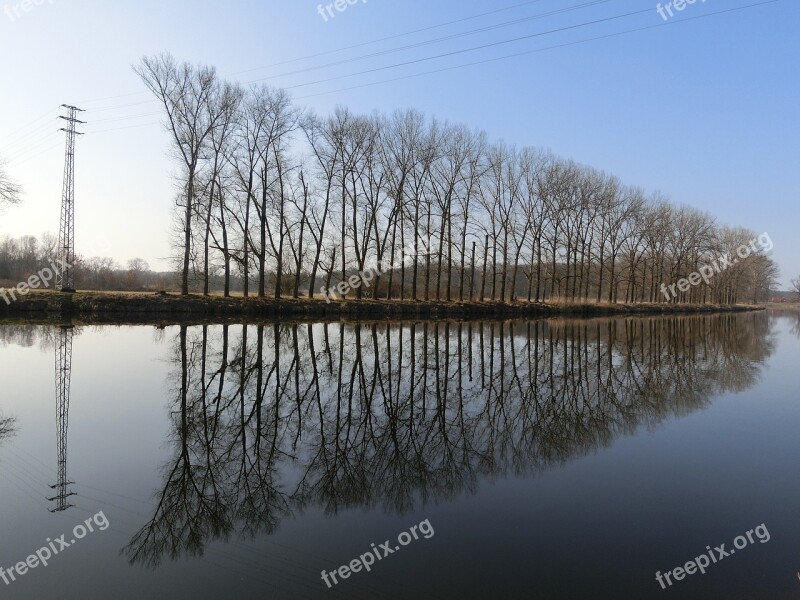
x: 270, y: 419
x: 8, y: 428
x: 27, y: 335
x: 792, y: 314
x: 225, y: 459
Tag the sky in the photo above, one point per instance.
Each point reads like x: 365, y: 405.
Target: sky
x: 701, y: 106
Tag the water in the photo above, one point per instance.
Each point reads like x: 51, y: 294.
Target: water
x: 550, y: 459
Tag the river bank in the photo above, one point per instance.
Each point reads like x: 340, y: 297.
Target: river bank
x: 110, y: 307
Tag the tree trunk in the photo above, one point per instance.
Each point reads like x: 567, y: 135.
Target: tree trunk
x: 483, y: 274
x: 187, y: 232
x: 472, y: 271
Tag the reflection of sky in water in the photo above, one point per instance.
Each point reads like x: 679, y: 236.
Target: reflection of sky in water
x: 578, y: 481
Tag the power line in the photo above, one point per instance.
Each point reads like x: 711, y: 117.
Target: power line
x: 472, y: 49
x: 21, y: 155
x: 139, y: 116
x: 537, y: 50
x: 428, y: 42
x: 114, y: 97
x: 25, y: 159
x: 105, y: 108
x: 33, y: 138
x: 31, y: 143
x: 376, y: 41
x: 391, y: 37
x: 29, y: 139
x: 345, y: 48
x: 21, y: 137
x: 126, y: 127
x: 37, y: 143
x: 443, y: 39
x: 49, y: 112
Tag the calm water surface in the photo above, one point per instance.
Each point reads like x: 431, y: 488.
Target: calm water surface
x: 552, y: 459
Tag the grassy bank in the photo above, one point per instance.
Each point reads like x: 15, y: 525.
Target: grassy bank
x: 787, y: 306
x: 125, y: 307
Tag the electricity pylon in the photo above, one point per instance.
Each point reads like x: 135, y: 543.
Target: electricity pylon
x: 65, y: 278
x: 63, y: 375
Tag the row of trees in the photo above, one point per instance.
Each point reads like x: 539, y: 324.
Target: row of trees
x: 290, y: 202
x: 274, y: 199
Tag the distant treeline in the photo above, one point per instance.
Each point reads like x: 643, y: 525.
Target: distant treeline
x: 25, y: 256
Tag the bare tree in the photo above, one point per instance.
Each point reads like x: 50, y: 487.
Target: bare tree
x: 399, y: 148
x: 226, y: 104
x: 321, y: 137
x: 186, y: 92
x: 10, y: 192
x: 7, y: 427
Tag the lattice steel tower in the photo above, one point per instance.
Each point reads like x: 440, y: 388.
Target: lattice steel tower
x: 63, y: 375
x: 65, y: 278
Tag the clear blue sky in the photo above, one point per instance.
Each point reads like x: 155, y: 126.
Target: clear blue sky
x: 705, y: 111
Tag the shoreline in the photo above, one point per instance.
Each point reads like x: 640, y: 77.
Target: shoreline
x: 120, y: 307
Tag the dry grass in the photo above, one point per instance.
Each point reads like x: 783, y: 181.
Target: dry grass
x: 784, y: 305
